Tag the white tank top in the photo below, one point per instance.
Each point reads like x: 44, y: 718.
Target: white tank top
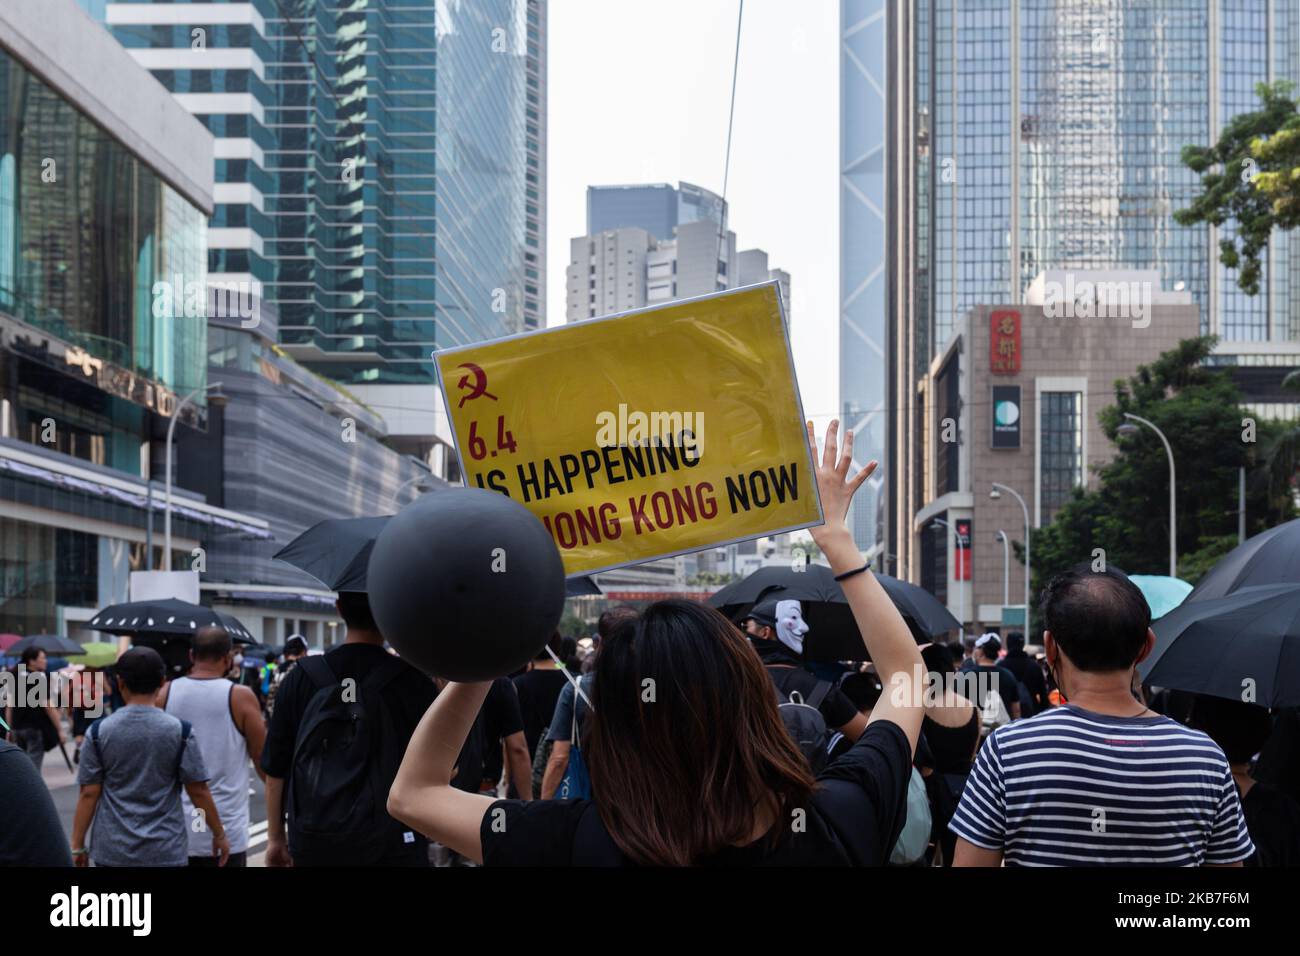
x: 206, y: 705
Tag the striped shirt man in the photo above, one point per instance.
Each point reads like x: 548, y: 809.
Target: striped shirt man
x: 1074, y: 788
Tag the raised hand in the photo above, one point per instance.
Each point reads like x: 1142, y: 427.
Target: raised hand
x: 833, y: 482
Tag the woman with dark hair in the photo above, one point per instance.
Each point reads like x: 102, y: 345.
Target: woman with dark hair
x: 952, y: 735
x: 689, y: 759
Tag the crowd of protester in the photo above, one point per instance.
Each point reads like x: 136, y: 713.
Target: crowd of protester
x: 673, y: 736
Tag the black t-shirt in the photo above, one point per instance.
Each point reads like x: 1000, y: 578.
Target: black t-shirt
x: 1026, y: 670
x: 836, y: 709
x: 29, y: 718
x: 480, y: 758
x: 1273, y: 819
x: 858, y: 810
x: 1279, y: 761
x: 31, y: 834
x: 538, y: 691
x: 407, y: 696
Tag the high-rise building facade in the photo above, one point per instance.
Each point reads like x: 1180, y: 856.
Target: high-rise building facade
x: 1032, y: 135
x: 381, y: 174
x: 865, y: 207
x: 105, y: 192
x: 628, y: 268
x: 658, y: 208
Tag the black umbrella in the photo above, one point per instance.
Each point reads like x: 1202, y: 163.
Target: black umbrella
x: 51, y: 644
x: 1271, y: 557
x: 832, y: 633
x: 168, y: 617
x: 336, y: 552
x: 235, y: 628
x: 581, y: 586
x: 1249, y: 640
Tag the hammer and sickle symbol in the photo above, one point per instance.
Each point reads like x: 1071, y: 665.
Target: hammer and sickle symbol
x: 479, y: 386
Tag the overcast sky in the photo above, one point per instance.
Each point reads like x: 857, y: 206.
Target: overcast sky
x: 639, y: 93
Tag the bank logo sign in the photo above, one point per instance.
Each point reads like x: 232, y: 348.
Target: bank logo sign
x: 1006, y: 416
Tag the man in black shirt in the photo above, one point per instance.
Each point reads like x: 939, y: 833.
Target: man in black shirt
x: 497, y: 740
x: 988, y: 676
x: 406, y: 697
x: 539, y: 688
x: 776, y: 632
x: 32, y: 728
x: 1272, y: 816
x: 1026, y: 670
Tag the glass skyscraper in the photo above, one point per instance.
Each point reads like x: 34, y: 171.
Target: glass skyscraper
x: 105, y: 192
x: 658, y: 208
x: 1049, y: 133
x: 865, y: 204
x: 380, y: 166
x: 1026, y: 135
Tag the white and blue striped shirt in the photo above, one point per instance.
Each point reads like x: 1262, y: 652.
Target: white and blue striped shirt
x: 1073, y: 788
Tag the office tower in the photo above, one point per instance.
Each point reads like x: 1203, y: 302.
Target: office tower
x: 627, y: 268
x: 1020, y: 136
x: 381, y: 176
x: 105, y: 189
x: 865, y: 205
x: 658, y: 208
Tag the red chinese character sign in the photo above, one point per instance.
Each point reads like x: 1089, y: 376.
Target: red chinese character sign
x: 963, y: 555
x: 1004, y: 343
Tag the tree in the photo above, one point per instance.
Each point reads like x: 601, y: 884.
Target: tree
x: 1126, y: 514
x: 1282, y: 456
x: 1252, y: 178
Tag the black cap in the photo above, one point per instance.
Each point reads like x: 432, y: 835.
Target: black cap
x: 764, y: 613
x: 296, y: 644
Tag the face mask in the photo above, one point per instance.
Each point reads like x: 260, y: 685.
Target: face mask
x: 790, y: 626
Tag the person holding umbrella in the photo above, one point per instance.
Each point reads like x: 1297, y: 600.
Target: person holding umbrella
x: 36, y: 729
x: 1272, y: 816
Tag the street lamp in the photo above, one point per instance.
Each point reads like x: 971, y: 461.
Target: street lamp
x: 996, y: 494
x: 961, y: 591
x: 1006, y: 567
x: 215, y: 399
x: 1127, y: 429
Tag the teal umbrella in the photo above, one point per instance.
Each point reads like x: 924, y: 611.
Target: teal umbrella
x: 1162, y: 592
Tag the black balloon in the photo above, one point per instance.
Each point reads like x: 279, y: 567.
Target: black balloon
x: 466, y: 584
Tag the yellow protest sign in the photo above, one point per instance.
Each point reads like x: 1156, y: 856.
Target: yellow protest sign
x: 642, y: 435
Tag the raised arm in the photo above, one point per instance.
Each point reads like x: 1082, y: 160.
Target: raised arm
x: 888, y: 641
x: 422, y: 795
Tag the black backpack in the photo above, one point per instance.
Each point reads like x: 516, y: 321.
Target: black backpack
x: 805, y: 723
x: 345, y: 757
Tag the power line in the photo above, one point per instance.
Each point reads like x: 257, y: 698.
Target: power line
x: 726, y: 164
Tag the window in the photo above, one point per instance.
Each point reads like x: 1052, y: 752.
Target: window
x: 1060, y: 431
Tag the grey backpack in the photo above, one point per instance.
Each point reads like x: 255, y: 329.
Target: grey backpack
x: 805, y: 724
